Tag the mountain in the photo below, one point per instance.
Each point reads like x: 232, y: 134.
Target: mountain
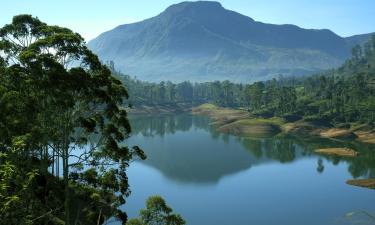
x: 358, y: 39
x: 202, y: 41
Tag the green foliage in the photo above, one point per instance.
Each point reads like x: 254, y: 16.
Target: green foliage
x: 157, y: 212
x: 60, y: 116
x: 11, y: 197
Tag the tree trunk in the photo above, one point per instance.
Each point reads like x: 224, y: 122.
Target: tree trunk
x: 66, y: 183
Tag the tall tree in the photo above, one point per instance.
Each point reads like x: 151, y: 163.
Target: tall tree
x: 77, y: 102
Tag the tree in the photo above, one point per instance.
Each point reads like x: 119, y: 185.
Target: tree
x: 357, y: 53
x: 228, y: 95
x: 255, y: 93
x: 185, y: 91
x: 75, y: 104
x: 161, y: 92
x: 157, y: 212
x: 170, y: 92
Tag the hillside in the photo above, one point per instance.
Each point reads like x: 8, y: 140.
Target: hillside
x: 202, y: 41
x: 358, y: 39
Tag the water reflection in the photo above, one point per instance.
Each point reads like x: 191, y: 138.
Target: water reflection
x: 203, y: 174
x: 360, y: 166
x: 189, y: 156
x: 160, y: 125
x: 187, y: 149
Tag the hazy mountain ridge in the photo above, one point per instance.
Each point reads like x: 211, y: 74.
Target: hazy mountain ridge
x: 203, y: 41
x: 358, y: 39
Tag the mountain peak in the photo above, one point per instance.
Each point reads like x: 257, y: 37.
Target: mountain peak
x: 195, y: 4
x: 203, y: 6
x: 204, y: 41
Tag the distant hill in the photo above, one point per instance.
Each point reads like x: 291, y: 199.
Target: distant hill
x: 358, y: 39
x: 202, y: 41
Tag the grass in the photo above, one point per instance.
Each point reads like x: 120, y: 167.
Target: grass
x: 207, y: 106
x: 365, y: 132
x: 338, y: 133
x: 256, y: 121
x: 240, y: 122
x: 220, y: 116
x: 253, y: 127
x: 367, y: 137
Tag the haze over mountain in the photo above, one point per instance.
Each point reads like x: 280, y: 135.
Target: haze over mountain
x: 202, y: 41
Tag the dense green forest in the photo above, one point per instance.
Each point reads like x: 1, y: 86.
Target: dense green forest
x: 346, y: 94
x: 62, y: 160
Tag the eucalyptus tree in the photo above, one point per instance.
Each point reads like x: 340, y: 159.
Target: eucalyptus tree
x: 77, y: 103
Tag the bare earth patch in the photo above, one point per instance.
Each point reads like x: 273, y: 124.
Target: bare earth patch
x: 338, y: 133
x: 366, y: 183
x: 251, y: 128
x: 366, y: 136
x: 241, y: 122
x: 347, y: 152
x: 304, y: 128
x: 220, y: 116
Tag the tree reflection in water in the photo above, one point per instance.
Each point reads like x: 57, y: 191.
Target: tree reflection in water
x: 197, y: 153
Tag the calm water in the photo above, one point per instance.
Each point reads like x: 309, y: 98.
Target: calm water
x: 212, y: 178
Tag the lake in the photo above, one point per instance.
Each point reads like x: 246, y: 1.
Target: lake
x: 217, y: 179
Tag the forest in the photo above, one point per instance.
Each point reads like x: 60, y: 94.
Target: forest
x: 346, y: 94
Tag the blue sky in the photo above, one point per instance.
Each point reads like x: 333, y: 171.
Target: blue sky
x: 92, y: 17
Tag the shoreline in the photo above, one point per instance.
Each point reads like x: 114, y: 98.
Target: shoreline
x: 159, y: 109
x: 240, y: 122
